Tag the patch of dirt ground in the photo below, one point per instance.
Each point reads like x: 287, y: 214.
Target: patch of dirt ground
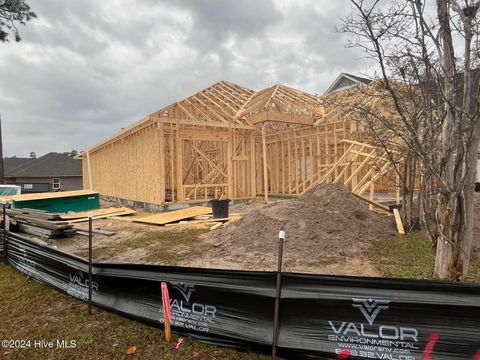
x: 328, y: 230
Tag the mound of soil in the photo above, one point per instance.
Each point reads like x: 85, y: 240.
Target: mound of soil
x: 327, y: 221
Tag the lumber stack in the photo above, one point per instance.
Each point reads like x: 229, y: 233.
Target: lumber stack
x: 41, y: 223
x: 53, y: 225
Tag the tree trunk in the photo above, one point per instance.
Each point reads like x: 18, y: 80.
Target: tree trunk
x: 460, y: 141
x: 450, y: 260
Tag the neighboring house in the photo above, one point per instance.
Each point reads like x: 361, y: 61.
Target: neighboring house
x: 345, y: 81
x: 50, y: 172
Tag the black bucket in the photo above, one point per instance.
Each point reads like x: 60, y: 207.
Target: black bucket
x: 220, y: 208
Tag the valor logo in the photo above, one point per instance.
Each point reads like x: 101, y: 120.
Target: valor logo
x: 190, y: 314
x: 185, y: 289
x: 373, y: 340
x: 370, y: 308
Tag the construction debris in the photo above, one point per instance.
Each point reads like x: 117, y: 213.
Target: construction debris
x: 41, y: 223
x: 398, y: 220
x: 52, y: 225
x: 174, y: 216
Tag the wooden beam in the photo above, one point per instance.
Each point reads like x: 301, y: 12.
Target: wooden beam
x: 204, y: 123
x: 179, y: 166
x: 265, y: 169
x: 280, y: 117
x: 398, y: 220
x: 230, y: 170
x: 204, y: 135
x: 384, y: 208
x: 253, y: 171
x: 89, y: 167
x: 372, y: 193
x: 172, y: 165
x: 161, y: 155
x: 202, y: 154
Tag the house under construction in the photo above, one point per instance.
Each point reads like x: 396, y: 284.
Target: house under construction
x: 228, y: 141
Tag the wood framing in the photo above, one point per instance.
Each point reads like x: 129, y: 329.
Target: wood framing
x: 228, y: 141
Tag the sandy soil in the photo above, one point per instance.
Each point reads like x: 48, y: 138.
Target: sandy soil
x: 328, y: 231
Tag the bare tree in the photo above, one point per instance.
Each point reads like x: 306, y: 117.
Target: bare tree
x: 426, y: 54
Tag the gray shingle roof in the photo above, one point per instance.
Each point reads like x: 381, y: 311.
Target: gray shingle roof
x: 49, y: 165
x: 361, y: 79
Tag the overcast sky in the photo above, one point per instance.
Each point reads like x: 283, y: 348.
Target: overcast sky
x: 85, y: 69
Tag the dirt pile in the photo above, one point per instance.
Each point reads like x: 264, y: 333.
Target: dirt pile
x: 326, y: 221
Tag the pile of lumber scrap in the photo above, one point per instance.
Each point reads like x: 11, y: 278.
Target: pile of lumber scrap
x: 41, y: 223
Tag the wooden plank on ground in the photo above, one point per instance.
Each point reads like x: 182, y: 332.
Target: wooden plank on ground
x: 177, y: 215
x: 384, y: 208
x: 96, y: 212
x: 216, y: 226
x: 123, y: 212
x: 95, y: 231
x: 398, y: 220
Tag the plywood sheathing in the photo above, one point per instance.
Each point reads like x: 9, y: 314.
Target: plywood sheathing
x: 172, y: 216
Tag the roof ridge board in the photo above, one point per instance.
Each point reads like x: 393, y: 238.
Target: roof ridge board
x: 237, y: 88
x: 243, y: 88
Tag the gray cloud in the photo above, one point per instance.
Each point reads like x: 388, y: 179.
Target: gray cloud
x: 85, y: 69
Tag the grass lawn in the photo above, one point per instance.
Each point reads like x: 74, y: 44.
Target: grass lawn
x: 32, y: 311
x: 411, y: 257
